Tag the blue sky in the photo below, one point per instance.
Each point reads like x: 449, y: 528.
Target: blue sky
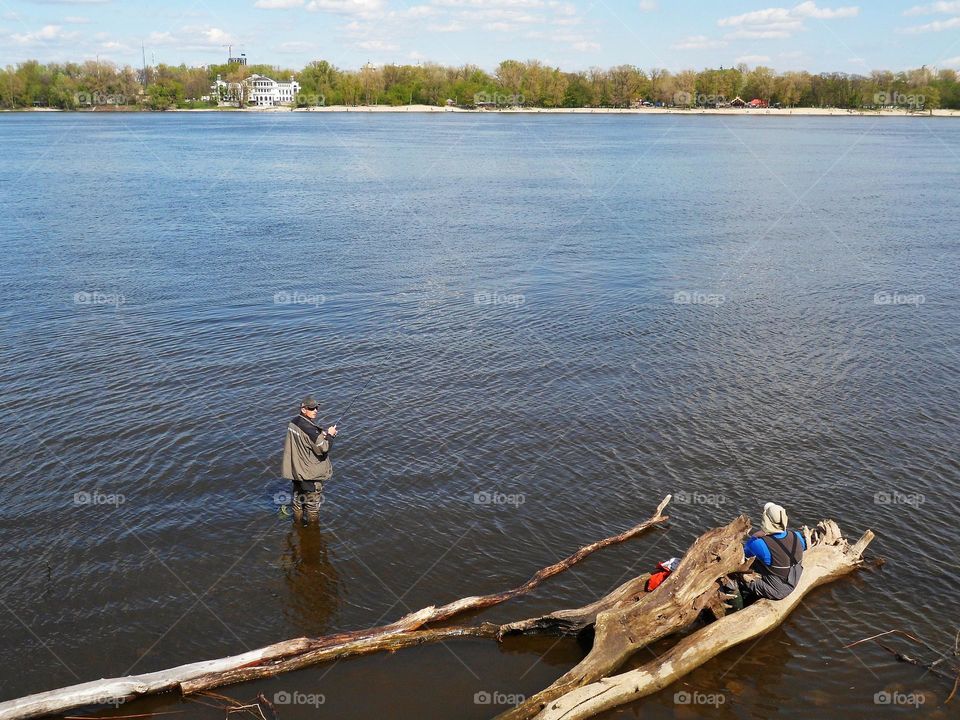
x: 573, y: 34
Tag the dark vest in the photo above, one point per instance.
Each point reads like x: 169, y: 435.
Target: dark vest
x: 784, y: 553
x: 310, y: 430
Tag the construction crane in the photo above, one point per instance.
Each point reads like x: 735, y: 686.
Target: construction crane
x: 231, y: 58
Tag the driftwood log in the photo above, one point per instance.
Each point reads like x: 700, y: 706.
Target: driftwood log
x: 627, y: 627
x: 622, y: 622
x: 299, y: 652
x: 829, y: 558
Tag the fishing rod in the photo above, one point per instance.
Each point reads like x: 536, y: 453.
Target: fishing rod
x: 350, y: 405
x: 735, y: 458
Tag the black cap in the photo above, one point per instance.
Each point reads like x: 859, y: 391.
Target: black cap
x: 310, y: 403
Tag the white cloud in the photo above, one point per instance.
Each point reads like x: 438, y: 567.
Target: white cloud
x: 447, y: 28
x: 649, y: 5
x: 347, y: 7
x: 216, y: 36
x: 585, y: 46
x: 953, y: 62
x: 935, y: 26
x: 71, y: 2
x: 698, y: 42
x: 74, y: 20
x: 491, y: 3
x: 420, y: 11
x: 752, y: 59
x: 45, y: 35
x: 745, y: 34
x: 376, y: 45
x: 781, y: 22
x: 193, y: 38
x: 945, y: 8
x: 278, y: 4
x: 501, y: 15
x: 810, y: 9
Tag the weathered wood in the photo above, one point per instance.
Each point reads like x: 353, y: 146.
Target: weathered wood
x: 106, y: 691
x: 831, y: 558
x: 354, y: 648
x: 271, y: 659
x: 575, y: 620
x: 621, y: 631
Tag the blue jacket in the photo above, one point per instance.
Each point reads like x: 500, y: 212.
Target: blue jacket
x: 756, y: 547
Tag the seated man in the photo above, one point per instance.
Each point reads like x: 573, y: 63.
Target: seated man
x: 779, y: 557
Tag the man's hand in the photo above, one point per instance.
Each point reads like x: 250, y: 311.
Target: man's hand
x: 332, y: 431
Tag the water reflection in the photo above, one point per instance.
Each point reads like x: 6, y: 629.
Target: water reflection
x: 311, y: 579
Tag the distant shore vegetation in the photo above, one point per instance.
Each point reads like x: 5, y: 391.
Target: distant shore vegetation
x: 104, y: 85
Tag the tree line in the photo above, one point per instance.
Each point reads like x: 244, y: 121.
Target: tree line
x: 89, y: 84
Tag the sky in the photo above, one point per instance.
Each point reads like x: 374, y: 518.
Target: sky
x: 818, y: 36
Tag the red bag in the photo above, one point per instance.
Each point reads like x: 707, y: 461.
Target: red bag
x: 656, y: 578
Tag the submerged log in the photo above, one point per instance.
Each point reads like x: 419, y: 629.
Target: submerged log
x: 831, y: 557
x: 290, y: 654
x: 622, y: 630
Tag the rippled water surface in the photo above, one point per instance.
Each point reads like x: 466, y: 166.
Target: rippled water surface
x: 514, y: 287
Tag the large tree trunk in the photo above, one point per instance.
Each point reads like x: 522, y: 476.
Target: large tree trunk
x: 628, y: 627
x: 830, y: 558
x: 291, y: 654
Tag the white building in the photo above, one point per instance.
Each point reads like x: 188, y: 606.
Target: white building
x: 266, y: 92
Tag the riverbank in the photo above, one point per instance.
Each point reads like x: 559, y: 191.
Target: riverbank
x: 818, y: 112
x: 813, y: 112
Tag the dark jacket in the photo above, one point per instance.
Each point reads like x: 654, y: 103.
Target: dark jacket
x: 305, y: 452
x: 780, y: 563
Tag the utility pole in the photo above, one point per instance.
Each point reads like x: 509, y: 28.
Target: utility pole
x: 146, y: 79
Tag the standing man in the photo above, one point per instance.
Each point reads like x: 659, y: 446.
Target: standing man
x: 305, y: 460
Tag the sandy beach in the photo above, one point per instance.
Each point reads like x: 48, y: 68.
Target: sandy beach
x: 619, y: 111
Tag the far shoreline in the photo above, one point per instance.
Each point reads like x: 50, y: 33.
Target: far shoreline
x: 770, y: 112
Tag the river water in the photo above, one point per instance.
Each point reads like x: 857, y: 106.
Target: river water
x: 562, y: 318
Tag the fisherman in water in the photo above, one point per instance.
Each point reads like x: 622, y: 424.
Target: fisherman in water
x: 306, y: 461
